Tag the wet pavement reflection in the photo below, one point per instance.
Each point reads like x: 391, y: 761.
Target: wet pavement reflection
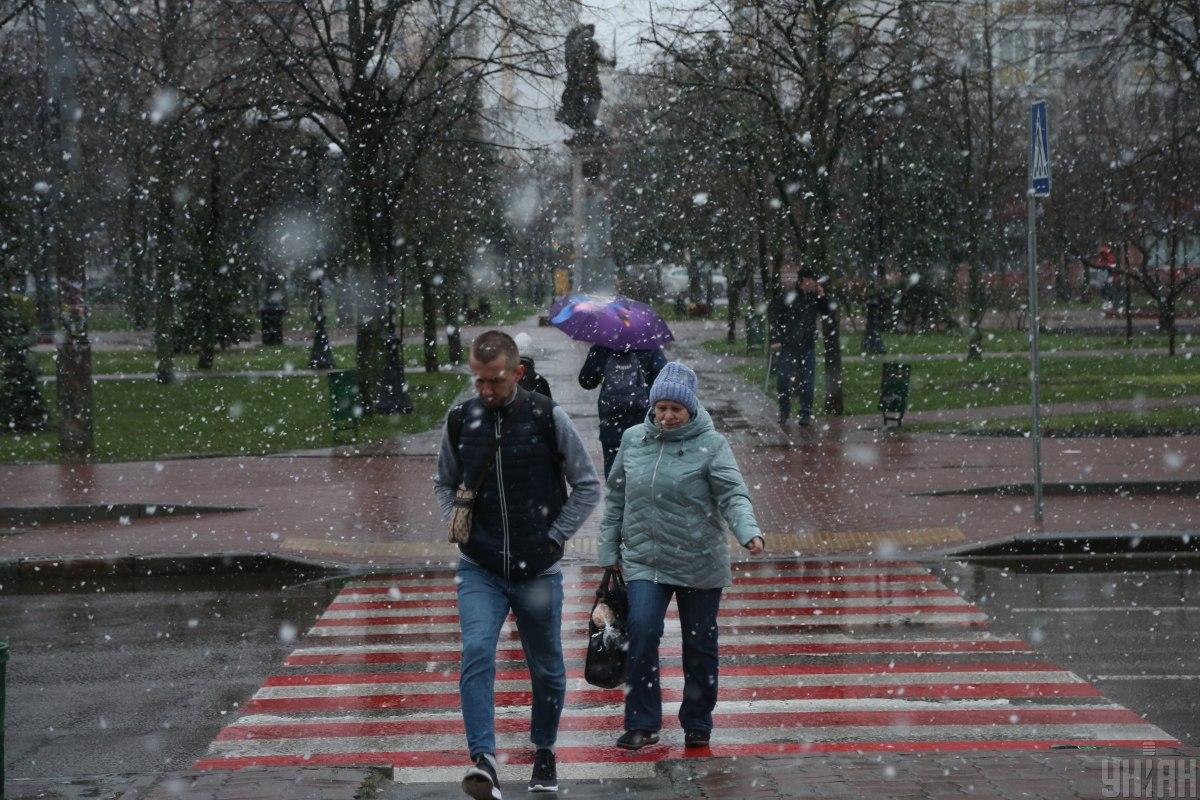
x: 1134, y: 633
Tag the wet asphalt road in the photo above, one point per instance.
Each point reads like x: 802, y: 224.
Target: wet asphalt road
x: 1134, y: 633
x: 139, y: 676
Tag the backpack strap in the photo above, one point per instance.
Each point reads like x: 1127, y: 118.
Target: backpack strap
x: 543, y: 408
x: 544, y: 414
x: 454, y: 423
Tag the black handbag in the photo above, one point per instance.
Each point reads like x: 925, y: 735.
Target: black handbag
x: 606, y: 665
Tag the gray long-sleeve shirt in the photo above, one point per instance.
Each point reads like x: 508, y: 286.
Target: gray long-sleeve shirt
x: 577, y: 469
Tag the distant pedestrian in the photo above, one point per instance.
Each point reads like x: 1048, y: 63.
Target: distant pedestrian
x: 515, y: 448
x: 674, y: 483
x: 624, y: 378
x: 794, y: 315
x: 532, y: 380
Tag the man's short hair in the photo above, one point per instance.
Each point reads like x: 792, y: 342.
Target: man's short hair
x: 490, y: 345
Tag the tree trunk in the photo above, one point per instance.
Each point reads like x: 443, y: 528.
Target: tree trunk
x: 976, y: 307
x: 210, y: 265
x: 429, y: 318
x: 733, y: 296
x: 164, y: 259
x: 821, y: 223
x: 835, y: 403
x: 1167, y: 317
x: 74, y: 351
x: 371, y: 268
x: 1062, y: 278
x: 452, y: 319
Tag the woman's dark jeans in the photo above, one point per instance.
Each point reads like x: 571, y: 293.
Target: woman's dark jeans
x: 698, y: 620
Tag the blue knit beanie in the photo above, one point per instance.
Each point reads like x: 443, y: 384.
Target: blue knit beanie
x: 676, y: 382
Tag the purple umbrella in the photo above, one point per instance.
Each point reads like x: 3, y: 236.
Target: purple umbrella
x: 614, y: 322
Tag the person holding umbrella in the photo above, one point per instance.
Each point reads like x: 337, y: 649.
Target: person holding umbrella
x: 624, y: 361
x: 624, y: 378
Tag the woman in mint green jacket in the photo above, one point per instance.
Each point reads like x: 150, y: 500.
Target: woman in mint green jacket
x: 673, y: 489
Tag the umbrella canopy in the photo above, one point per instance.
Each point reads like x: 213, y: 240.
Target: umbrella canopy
x: 614, y: 322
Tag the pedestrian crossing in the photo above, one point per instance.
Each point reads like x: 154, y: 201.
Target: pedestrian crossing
x: 816, y: 656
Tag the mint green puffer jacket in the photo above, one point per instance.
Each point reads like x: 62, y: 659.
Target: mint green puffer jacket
x: 669, y: 494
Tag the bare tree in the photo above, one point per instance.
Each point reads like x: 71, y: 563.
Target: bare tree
x: 177, y: 62
x: 815, y: 72
x: 382, y: 80
x: 1169, y: 28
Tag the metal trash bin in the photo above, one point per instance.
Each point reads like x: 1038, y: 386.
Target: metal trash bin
x: 893, y: 392
x: 345, y: 406
x: 756, y: 331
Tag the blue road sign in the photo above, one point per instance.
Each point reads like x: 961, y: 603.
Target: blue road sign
x: 1039, y: 150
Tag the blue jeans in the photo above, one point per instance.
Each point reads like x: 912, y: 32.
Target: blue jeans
x: 698, y: 608
x: 797, y: 373
x: 484, y: 599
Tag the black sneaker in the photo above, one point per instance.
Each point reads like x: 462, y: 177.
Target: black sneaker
x: 545, y: 774
x: 481, y: 782
x: 696, y: 738
x: 636, y: 740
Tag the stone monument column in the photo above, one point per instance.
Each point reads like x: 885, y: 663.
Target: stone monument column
x: 593, y: 266
x: 592, y: 263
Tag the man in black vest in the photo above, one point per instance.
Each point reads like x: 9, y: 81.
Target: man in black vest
x: 519, y: 451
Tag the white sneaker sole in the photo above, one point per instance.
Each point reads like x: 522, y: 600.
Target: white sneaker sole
x: 544, y: 787
x: 478, y: 785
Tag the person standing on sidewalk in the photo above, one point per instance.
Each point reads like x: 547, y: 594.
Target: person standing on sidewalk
x: 673, y: 483
x: 518, y: 447
x: 794, y: 315
x: 624, y: 378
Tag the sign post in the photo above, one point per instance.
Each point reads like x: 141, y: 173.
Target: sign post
x: 1039, y: 186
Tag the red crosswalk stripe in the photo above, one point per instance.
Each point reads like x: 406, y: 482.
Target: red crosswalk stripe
x: 816, y: 657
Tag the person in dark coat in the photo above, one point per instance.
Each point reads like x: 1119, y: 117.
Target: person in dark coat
x: 794, y: 315
x: 624, y: 378
x: 532, y: 380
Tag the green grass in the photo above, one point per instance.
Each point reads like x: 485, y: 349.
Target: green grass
x: 1149, y: 419
x: 273, y: 359
x: 1005, y: 381
x: 109, y: 318
x: 668, y: 312
x: 136, y: 420
x: 505, y: 314
x: 995, y: 341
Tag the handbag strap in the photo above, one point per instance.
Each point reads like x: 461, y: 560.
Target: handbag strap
x: 505, y: 427
x: 612, y: 580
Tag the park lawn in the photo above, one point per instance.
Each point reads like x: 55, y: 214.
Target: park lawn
x: 1005, y: 381
x: 139, y: 419
x: 505, y: 314
x: 268, y: 359
x: 995, y: 341
x: 1174, y: 418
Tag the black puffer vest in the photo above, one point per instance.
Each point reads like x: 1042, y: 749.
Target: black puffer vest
x: 523, y: 492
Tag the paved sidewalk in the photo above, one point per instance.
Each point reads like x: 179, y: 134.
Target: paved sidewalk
x: 843, y: 486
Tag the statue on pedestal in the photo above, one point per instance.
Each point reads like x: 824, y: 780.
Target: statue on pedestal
x: 582, y: 94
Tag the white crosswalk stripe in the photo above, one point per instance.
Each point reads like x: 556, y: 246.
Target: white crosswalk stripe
x: 878, y: 655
